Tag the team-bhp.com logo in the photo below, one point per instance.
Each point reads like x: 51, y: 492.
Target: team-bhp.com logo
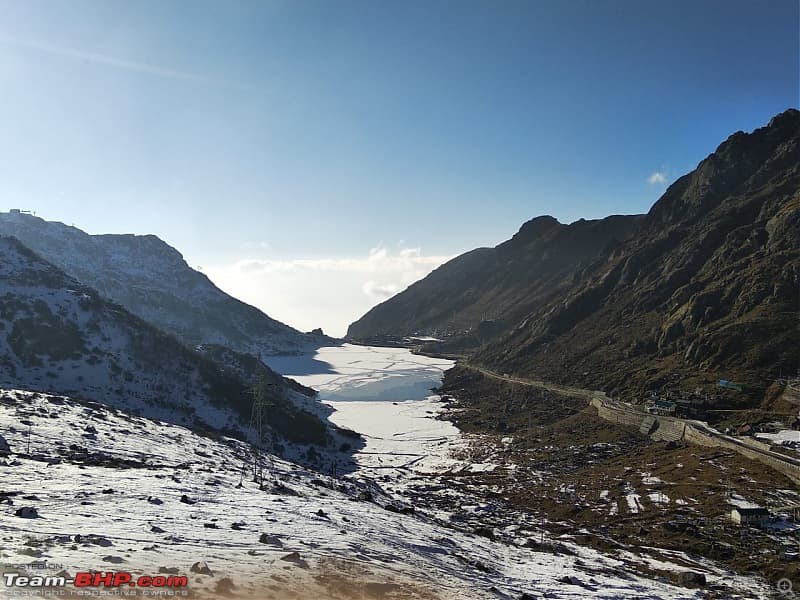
x: 111, y: 579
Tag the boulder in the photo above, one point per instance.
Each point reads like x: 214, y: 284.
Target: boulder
x: 201, y: 568
x: 296, y: 559
x: 691, y: 579
x: 272, y: 540
x: 570, y: 580
x: 27, y: 512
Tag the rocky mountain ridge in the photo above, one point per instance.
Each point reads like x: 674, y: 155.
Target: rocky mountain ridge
x: 152, y: 280
x: 708, y: 288
x: 59, y: 335
x: 479, y: 295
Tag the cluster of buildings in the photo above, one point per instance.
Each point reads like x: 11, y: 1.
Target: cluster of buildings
x: 676, y: 403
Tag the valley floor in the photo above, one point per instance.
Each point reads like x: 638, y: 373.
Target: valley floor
x: 423, y: 516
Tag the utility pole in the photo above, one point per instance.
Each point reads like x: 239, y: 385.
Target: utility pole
x: 259, y: 426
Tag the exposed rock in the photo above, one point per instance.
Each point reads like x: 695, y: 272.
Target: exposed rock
x: 296, y: 559
x: 201, y: 568
x: 272, y: 540
x: 400, y: 509
x: 27, y: 512
x: 691, y: 579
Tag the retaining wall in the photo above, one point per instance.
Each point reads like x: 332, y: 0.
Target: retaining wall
x: 693, y: 435
x: 675, y: 429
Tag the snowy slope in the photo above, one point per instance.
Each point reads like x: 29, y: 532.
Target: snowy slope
x: 108, y: 492
x: 57, y: 335
x: 151, y: 279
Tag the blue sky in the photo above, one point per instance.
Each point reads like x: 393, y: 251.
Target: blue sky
x: 285, y: 146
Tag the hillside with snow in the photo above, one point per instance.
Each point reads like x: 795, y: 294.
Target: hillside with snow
x: 153, y: 281
x: 58, y: 335
x: 91, y: 488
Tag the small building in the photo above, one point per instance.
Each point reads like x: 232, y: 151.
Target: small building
x: 662, y: 407
x: 15, y: 211
x: 689, y: 407
x: 754, y: 515
x: 730, y: 385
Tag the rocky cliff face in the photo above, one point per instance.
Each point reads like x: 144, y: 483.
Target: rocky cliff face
x: 707, y: 289
x: 151, y: 279
x: 481, y: 294
x: 58, y: 335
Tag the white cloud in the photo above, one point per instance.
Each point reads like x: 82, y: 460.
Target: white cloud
x: 328, y: 292
x: 380, y: 292
x: 657, y: 178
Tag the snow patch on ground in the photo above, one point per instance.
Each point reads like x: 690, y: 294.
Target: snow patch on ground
x: 111, y: 489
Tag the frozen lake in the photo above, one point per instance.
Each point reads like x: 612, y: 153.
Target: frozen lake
x: 350, y: 372
x: 384, y: 394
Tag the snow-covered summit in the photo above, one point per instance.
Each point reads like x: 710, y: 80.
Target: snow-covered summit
x: 153, y: 281
x: 58, y: 335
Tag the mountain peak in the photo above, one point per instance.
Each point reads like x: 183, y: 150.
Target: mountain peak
x: 790, y: 118
x: 151, y: 279
x: 536, y: 227
x: 743, y: 157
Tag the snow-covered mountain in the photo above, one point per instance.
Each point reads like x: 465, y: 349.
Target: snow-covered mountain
x: 59, y: 335
x: 153, y: 281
